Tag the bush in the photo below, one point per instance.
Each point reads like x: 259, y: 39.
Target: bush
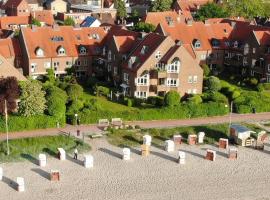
x: 20, y: 123
x: 74, y: 91
x: 263, y: 86
x: 129, y: 102
x: 213, y: 84
x: 156, y: 101
x: 235, y: 94
x: 206, y: 70
x: 215, y: 97
x: 172, y: 98
x: 101, y: 90
x: 253, y: 81
x: 195, y: 99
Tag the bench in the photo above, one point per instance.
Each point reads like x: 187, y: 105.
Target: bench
x: 117, y: 122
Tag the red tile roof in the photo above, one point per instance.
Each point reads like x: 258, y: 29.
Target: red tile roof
x: 191, y: 5
x: 11, y: 20
x: 13, y: 3
x: 44, y: 16
x: 263, y: 37
x: 50, y: 39
x: 10, y: 48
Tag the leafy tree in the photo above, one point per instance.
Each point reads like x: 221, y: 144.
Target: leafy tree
x: 172, y: 98
x: 211, y: 10
x: 56, y: 102
x: 32, y: 99
x: 245, y: 8
x: 36, y: 22
x: 145, y: 27
x: 206, y: 70
x: 74, y: 91
x: 215, y: 97
x: 134, y: 13
x: 213, y: 84
x: 161, y: 5
x: 121, y: 9
x: 9, y: 91
x: 69, y: 22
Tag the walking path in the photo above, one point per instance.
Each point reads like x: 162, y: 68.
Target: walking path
x: 143, y: 124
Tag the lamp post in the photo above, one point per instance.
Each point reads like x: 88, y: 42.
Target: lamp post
x: 76, y: 119
x: 6, y: 117
x: 230, y: 117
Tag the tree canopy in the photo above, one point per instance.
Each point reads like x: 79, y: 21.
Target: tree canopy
x: 161, y: 5
x: 145, y: 27
x: 69, y: 22
x: 9, y: 91
x: 32, y: 99
x: 172, y: 98
x: 36, y: 22
x: 211, y: 10
x: 121, y: 9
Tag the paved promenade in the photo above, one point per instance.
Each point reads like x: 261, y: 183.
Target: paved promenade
x: 144, y: 124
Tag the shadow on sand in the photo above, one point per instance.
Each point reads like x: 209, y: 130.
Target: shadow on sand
x: 30, y: 158
x: 42, y: 173
x: 9, y: 182
x: 70, y: 158
x: 164, y: 156
x: 112, y: 153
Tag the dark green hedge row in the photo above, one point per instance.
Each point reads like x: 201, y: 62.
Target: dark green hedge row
x: 182, y: 111
x: 20, y: 123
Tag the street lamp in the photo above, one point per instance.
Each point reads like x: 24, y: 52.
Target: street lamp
x: 6, y: 117
x: 76, y: 118
x: 230, y: 117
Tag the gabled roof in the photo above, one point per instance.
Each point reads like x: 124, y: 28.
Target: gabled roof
x: 49, y: 39
x: 44, y: 16
x: 18, y: 20
x: 13, y: 3
x: 10, y: 47
x: 191, y: 5
x: 7, y: 70
x: 263, y: 37
x: 169, y: 53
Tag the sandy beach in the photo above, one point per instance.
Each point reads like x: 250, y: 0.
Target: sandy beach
x: 158, y: 176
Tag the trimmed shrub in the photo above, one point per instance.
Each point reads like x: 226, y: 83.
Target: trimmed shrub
x: 156, y: 101
x: 206, y: 70
x: 215, y: 97
x: 102, y: 91
x: 213, y: 84
x: 253, y: 81
x: 74, y: 91
x: 195, y: 99
x: 172, y: 98
x: 129, y: 102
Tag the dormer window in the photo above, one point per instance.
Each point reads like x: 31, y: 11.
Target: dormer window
x: 95, y: 36
x: 109, y: 55
x: 196, y: 44
x: 61, y: 51
x: 235, y: 44
x: 39, y: 52
x: 246, y: 49
x: 158, y: 55
x: 82, y: 50
x: 215, y: 43
x: 144, y: 50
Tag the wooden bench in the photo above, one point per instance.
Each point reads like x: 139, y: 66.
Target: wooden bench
x: 117, y: 122
x: 103, y: 122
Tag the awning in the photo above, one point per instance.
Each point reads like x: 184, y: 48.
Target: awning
x: 123, y: 85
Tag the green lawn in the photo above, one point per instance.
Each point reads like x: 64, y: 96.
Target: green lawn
x: 129, y: 138
x: 29, y: 148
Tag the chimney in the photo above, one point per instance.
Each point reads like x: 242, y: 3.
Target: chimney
x: 142, y: 35
x: 33, y: 27
x: 206, y: 22
x: 55, y: 27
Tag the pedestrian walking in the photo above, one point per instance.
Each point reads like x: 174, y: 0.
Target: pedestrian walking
x: 76, y: 154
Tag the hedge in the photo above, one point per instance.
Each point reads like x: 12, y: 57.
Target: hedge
x: 182, y: 111
x: 20, y: 123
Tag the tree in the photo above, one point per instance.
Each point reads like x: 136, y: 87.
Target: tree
x: 213, y: 84
x: 134, y: 14
x: 36, y: 22
x: 56, y: 102
x: 206, y: 70
x: 9, y: 91
x: 69, y: 22
x: 121, y: 10
x: 74, y: 91
x: 144, y: 27
x: 211, y: 10
x: 245, y: 8
x: 161, y: 5
x: 32, y: 99
x: 172, y: 98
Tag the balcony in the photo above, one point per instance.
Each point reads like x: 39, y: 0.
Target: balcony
x: 162, y: 74
x: 161, y: 88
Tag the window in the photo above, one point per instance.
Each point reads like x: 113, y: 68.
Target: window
x: 104, y: 51
x: 47, y: 65
x: 227, y: 55
x: 33, y: 67
x: 172, y: 82
x: 143, y: 80
x: 115, y: 70
x: 245, y: 61
x: 56, y: 64
x: 141, y: 94
x: 61, y: 51
x: 144, y: 50
x: 253, y: 50
x: 190, y: 79
x: 85, y: 62
x: 39, y: 52
x: 95, y: 36
x: 196, y: 44
x: 126, y: 77
x: 174, y: 66
x: 235, y: 44
x: 194, y: 91
x: 252, y: 73
x: 158, y: 55
x: 195, y: 79
x: 68, y: 63
x: 268, y: 67
x: 109, y: 68
x: 83, y: 50
x: 109, y: 55
x: 203, y: 57
x: 78, y: 62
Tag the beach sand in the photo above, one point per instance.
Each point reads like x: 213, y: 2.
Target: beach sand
x: 158, y: 176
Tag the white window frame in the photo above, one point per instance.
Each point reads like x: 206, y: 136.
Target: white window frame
x: 158, y: 55
x: 174, y: 67
x: 194, y: 91
x: 33, y: 67
x: 83, y: 51
x: 190, y: 79
x: 115, y: 71
x: 126, y: 77
x: 172, y: 82
x: 109, y: 67
x: 203, y: 57
x: 143, y: 80
x: 40, y: 52
x: 47, y: 65
x: 141, y: 94
x: 195, y: 79
x: 109, y: 55
x: 253, y: 50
